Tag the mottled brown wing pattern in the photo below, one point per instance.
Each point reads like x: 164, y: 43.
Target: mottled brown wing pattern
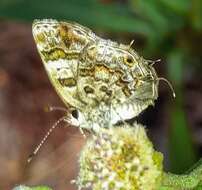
x: 105, y: 81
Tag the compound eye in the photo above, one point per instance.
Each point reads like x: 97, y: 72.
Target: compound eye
x: 75, y: 114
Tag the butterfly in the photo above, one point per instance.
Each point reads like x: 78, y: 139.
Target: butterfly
x: 102, y: 82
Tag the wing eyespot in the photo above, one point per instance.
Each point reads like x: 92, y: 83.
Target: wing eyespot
x: 129, y: 61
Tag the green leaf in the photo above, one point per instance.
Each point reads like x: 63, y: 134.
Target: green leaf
x: 180, y: 182
x: 149, y: 10
x: 22, y: 187
x: 182, y: 154
x: 196, y: 14
x: 195, y: 166
x: 175, y: 66
x: 159, y: 15
x: 199, y: 187
x: 179, y: 6
x: 114, y: 17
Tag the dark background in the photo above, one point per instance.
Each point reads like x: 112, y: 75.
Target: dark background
x: 169, y: 30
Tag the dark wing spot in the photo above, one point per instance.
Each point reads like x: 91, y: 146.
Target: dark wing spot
x: 69, y: 82
x: 103, y: 88
x: 106, y: 90
x: 88, y: 90
x: 127, y: 91
x: 83, y: 72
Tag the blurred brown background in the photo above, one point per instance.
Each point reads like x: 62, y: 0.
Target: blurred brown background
x: 170, y: 31
x: 24, y: 93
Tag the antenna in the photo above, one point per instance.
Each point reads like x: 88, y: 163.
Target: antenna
x: 45, y: 138
x: 169, y: 84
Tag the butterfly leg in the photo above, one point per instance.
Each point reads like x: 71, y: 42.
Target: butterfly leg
x: 82, y: 132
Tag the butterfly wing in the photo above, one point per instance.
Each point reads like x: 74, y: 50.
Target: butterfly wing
x: 60, y: 45
x: 104, y: 80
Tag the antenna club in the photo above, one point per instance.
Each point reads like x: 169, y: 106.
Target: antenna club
x: 47, y: 108
x: 30, y: 158
x: 45, y: 138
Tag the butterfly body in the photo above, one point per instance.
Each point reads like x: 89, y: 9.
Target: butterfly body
x: 104, y: 81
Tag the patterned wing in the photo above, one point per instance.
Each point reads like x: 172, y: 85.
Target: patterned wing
x: 60, y: 45
x: 105, y: 81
